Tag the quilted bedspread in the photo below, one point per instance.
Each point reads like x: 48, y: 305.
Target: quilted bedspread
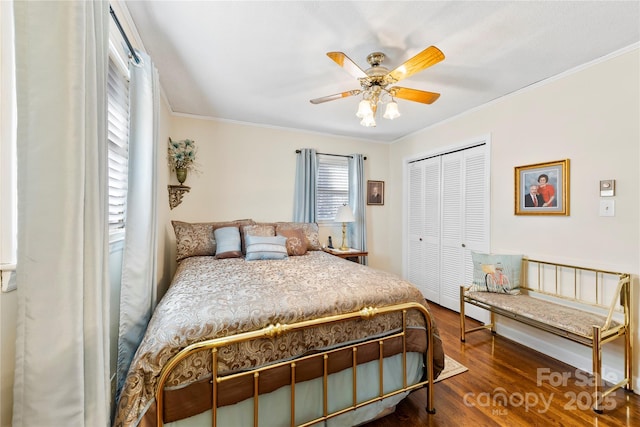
x: 211, y: 298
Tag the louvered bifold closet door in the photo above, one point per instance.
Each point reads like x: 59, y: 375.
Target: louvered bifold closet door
x: 465, y: 213
x: 476, y: 214
x: 452, y: 252
x: 432, y: 197
x: 424, y: 227
x: 476, y: 206
x: 415, y: 228
x: 448, y: 217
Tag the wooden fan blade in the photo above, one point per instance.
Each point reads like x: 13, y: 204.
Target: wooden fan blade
x: 428, y: 57
x: 335, y: 96
x: 414, y: 95
x: 347, y: 64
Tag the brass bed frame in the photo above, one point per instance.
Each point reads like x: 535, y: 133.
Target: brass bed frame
x: 275, y: 330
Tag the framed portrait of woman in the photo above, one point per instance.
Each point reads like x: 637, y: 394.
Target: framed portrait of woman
x: 542, y: 188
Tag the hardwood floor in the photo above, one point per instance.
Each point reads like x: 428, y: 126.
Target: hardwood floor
x: 500, y: 367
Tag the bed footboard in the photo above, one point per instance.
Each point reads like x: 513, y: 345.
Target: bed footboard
x: 382, y: 343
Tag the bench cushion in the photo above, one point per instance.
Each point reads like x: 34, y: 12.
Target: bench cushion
x: 560, y: 316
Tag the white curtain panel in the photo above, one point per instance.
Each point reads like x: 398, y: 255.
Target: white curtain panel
x: 138, y: 289
x: 62, y: 349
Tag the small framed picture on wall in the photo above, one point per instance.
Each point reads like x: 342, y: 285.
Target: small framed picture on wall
x: 375, y: 192
x: 542, y: 189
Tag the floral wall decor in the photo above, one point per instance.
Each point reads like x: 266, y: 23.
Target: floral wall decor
x: 182, y: 157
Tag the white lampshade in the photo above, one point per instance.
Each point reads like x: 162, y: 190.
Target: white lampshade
x: 391, y: 112
x: 364, y: 109
x: 344, y: 214
x: 368, y: 121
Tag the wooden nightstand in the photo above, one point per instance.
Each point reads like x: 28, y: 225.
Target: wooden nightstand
x: 355, y: 255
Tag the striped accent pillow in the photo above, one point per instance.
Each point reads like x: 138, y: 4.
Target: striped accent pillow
x: 262, y: 247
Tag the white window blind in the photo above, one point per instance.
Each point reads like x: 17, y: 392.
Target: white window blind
x: 118, y: 137
x: 332, y: 185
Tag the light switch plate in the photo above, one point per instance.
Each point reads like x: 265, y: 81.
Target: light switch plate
x: 607, y: 188
x: 607, y: 208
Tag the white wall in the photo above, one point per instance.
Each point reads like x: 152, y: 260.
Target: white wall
x: 590, y: 116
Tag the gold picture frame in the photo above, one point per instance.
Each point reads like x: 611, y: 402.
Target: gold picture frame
x: 551, y: 193
x: 375, y: 193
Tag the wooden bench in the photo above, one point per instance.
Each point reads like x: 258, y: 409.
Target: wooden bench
x: 586, y: 305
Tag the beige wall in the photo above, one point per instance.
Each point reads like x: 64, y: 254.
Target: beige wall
x: 591, y: 117
x: 248, y: 172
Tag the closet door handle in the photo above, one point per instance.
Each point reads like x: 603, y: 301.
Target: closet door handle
x: 464, y: 246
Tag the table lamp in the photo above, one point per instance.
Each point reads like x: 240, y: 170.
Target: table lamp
x: 344, y: 216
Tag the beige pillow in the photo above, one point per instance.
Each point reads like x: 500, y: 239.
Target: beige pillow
x: 296, y: 242
x: 310, y: 230
x: 262, y: 230
x: 193, y: 239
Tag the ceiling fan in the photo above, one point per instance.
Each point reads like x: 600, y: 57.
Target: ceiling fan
x: 375, y: 83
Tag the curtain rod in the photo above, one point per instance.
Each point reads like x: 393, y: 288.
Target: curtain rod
x: 329, y: 154
x: 124, y: 36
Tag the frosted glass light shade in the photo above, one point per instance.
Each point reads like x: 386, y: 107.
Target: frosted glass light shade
x: 391, y: 112
x: 364, y: 109
x: 368, y: 121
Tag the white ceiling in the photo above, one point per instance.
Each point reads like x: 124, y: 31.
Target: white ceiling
x: 261, y: 62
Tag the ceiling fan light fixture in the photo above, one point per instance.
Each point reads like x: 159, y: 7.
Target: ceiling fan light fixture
x: 391, y: 111
x: 375, y: 82
x: 364, y: 109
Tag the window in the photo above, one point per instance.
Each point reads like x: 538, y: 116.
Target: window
x: 118, y: 140
x: 332, y: 186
